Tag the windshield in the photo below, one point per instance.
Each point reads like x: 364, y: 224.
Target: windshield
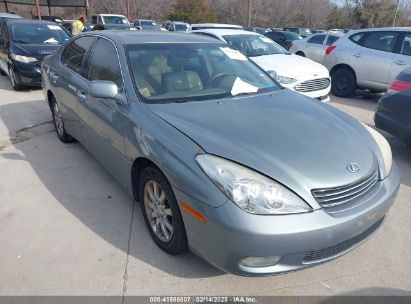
x: 148, y: 23
x: 292, y: 36
x: 254, y: 45
x: 181, y: 27
x: 38, y: 34
x: 180, y: 72
x: 115, y: 20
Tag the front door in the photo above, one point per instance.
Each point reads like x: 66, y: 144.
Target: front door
x: 402, y: 60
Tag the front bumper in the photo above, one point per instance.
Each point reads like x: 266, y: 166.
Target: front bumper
x: 27, y: 74
x: 302, y: 240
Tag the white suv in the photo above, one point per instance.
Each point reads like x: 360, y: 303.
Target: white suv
x: 368, y: 59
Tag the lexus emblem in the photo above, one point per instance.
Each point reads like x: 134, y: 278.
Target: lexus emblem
x: 353, y: 167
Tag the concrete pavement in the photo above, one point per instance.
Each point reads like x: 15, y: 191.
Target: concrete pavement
x: 67, y: 228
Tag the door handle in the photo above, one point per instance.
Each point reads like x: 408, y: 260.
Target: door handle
x: 358, y: 55
x: 400, y: 62
x: 81, y: 96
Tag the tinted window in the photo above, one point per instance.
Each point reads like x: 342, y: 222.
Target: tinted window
x: 331, y: 39
x: 73, y: 54
x: 94, y: 19
x: 382, y: 41
x: 274, y: 35
x: 317, y: 39
x: 104, y: 64
x: 356, y: 38
x: 406, y: 45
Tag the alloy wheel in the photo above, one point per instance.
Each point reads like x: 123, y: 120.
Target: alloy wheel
x: 58, y: 120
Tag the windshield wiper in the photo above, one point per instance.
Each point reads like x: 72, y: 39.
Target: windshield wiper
x: 21, y: 41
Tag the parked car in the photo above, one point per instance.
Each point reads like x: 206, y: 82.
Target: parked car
x: 147, y: 25
x: 315, y: 31
x: 394, y: 108
x: 260, y: 30
x: 6, y: 16
x: 177, y: 26
x: 368, y: 59
x: 303, y: 32
x: 166, y: 24
x: 213, y: 147
x: 102, y: 19
x: 54, y: 19
x: 203, y: 26
x: 23, y: 45
x: 293, y: 72
x: 314, y: 46
x: 283, y: 38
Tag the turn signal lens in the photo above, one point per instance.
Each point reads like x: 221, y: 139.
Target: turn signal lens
x: 253, y: 262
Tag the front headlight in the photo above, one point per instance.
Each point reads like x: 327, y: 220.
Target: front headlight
x: 281, y: 79
x: 249, y: 190
x: 384, y: 148
x: 23, y: 59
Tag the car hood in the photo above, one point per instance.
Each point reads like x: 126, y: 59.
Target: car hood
x: 38, y: 51
x: 290, y: 65
x: 299, y: 142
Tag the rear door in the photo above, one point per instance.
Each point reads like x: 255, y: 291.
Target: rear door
x: 371, y: 59
x: 68, y: 81
x: 402, y: 59
x: 314, y: 47
x: 102, y: 119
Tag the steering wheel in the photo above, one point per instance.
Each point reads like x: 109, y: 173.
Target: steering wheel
x: 216, y: 79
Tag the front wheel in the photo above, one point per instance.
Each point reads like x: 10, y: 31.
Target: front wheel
x: 59, y: 124
x: 343, y: 83
x: 161, y: 212
x: 14, y: 82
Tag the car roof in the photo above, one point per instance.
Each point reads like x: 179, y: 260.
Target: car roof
x: 108, y: 15
x: 216, y: 25
x: 144, y: 37
x: 145, y: 20
x: 11, y: 16
x: 395, y: 29
x: 30, y: 21
x: 222, y: 32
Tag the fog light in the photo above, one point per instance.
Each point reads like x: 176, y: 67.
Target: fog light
x: 260, y: 261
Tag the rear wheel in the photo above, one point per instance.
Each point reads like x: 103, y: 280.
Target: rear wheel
x: 59, y: 123
x: 161, y: 212
x: 300, y: 54
x: 343, y: 82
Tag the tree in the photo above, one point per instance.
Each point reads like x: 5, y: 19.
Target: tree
x: 192, y: 11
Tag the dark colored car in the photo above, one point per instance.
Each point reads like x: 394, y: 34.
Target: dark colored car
x: 23, y: 46
x: 394, y: 108
x: 147, y: 25
x: 7, y: 16
x: 302, y: 31
x: 283, y: 38
x: 259, y: 30
x: 54, y: 19
x: 112, y: 26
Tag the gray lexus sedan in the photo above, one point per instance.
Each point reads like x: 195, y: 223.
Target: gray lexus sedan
x: 253, y: 178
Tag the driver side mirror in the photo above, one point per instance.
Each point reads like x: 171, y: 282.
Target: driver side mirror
x: 107, y: 90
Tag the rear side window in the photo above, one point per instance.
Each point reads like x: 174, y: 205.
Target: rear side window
x: 73, y: 55
x: 317, y: 39
x: 382, y: 41
x: 357, y: 38
x: 406, y: 45
x: 331, y: 39
x: 104, y: 63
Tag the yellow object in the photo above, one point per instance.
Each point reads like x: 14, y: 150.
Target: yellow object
x: 76, y: 27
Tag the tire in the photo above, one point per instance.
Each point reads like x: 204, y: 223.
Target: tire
x: 2, y: 73
x: 14, y: 83
x: 343, y: 83
x: 160, y: 213
x: 300, y: 54
x: 59, y: 123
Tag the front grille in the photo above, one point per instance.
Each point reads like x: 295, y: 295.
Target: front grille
x: 329, y: 252
x: 330, y: 197
x: 313, y: 85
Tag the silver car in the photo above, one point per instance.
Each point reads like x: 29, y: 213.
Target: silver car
x: 314, y: 46
x: 368, y: 59
x: 253, y: 178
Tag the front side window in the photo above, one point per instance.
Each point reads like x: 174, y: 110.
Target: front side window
x: 254, y: 45
x: 73, y: 55
x: 316, y: 39
x: 167, y: 73
x: 104, y: 64
x: 115, y: 20
x: 180, y: 27
x: 406, y: 45
x: 382, y: 41
x: 38, y: 34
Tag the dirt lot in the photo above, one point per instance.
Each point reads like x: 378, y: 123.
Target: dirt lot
x: 67, y: 228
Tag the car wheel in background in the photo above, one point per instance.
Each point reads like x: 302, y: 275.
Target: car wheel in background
x: 300, y: 54
x: 161, y: 212
x: 14, y: 82
x: 59, y: 123
x: 343, y: 82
